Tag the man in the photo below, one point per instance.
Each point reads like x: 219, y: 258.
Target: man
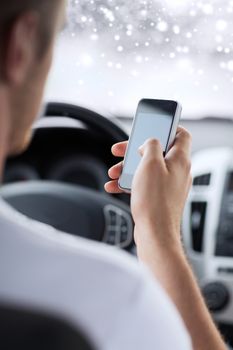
x: 118, y: 302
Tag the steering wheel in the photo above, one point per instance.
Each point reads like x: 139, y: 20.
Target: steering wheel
x: 71, y: 208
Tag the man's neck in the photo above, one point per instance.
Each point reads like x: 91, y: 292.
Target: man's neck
x: 4, y: 127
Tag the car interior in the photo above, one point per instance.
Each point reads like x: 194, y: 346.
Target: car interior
x: 66, y: 184
x: 60, y: 179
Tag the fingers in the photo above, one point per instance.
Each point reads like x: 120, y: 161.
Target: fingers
x: 183, y: 142
x: 115, y: 172
x: 181, y: 150
x: 183, y: 139
x: 119, y: 149
x: 152, y: 151
x: 112, y: 187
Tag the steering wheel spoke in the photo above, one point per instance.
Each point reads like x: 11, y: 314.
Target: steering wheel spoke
x: 118, y: 226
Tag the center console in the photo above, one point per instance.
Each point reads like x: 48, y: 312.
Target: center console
x: 208, y: 229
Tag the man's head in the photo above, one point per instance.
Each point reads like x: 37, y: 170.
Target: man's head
x: 27, y: 32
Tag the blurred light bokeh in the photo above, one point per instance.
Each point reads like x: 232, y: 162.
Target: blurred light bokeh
x: 114, y: 52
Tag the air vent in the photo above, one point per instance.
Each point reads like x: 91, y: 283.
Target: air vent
x: 198, y: 215
x: 202, y: 180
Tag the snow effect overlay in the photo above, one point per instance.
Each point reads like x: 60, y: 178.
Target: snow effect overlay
x: 114, y: 52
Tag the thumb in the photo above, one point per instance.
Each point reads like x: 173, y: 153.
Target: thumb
x: 152, y: 149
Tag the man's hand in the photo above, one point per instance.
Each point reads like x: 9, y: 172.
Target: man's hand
x: 160, y: 187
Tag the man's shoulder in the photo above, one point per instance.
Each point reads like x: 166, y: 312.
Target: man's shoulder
x: 105, y: 266
x: 76, y: 253
x: 98, y: 253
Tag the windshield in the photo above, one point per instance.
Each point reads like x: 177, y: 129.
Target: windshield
x: 112, y: 53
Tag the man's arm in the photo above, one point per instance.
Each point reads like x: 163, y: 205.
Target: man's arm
x: 159, y: 192
x: 170, y: 267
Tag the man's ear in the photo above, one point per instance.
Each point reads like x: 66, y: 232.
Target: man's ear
x: 21, y: 47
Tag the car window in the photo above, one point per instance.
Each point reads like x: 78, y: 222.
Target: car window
x: 114, y: 52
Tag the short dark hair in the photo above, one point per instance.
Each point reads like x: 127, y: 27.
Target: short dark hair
x: 10, y: 9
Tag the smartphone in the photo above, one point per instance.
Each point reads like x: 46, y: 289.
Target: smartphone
x: 157, y: 119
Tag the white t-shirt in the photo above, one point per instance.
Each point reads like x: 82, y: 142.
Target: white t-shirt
x: 103, y: 290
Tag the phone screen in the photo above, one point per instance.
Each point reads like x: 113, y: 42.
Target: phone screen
x: 154, y: 119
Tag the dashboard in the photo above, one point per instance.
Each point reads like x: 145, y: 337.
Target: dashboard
x: 63, y: 151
